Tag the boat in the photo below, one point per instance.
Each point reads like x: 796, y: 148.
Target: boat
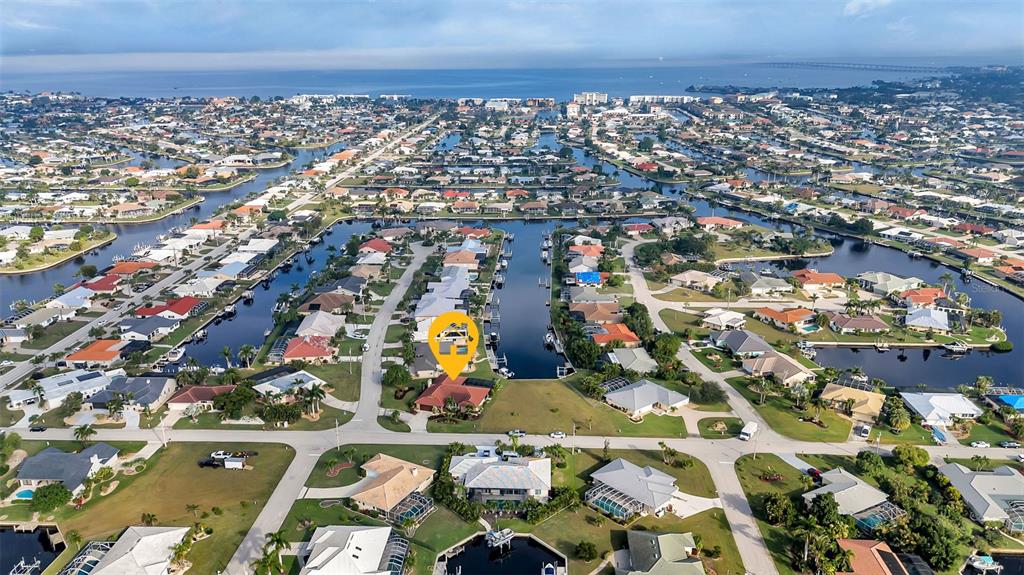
x: 985, y: 564
x: 248, y: 295
x: 504, y: 264
x: 804, y: 344
x: 175, y: 355
x: 881, y: 346
x: 200, y: 335
x: 957, y: 347
x: 499, y: 280
x: 549, y: 339
x: 266, y: 333
x: 548, y: 569
x: 914, y: 254
x: 808, y: 352
x: 495, y: 337
x: 504, y: 372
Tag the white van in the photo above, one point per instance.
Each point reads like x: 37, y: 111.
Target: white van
x: 748, y: 431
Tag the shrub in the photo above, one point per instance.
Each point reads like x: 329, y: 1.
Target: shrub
x: 49, y: 497
x: 586, y: 551
x: 1002, y: 346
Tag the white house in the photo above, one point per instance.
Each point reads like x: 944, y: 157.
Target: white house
x: 940, y: 408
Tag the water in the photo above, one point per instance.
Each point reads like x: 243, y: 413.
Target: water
x: 24, y: 545
x: 38, y: 285
x: 521, y: 83
x: 526, y: 557
x: 1013, y: 564
x: 252, y: 319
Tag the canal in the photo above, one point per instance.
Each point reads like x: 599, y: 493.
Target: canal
x: 39, y: 285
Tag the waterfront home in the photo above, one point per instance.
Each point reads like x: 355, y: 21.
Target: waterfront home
x: 462, y: 258
x: 636, y: 360
x: 637, y: 230
x: 43, y: 317
x: 197, y: 398
x: 940, y: 408
x: 927, y: 320
x: 139, y: 550
x: 920, y: 297
x: 465, y: 207
x: 991, y: 496
x: 199, y: 287
x: 52, y: 465
x: 901, y: 234
x: 388, y: 483
x: 375, y: 245
x: 740, y: 342
x: 320, y: 323
x: 586, y: 250
x: 779, y: 366
x: 979, y: 256
x: 622, y: 489
x: 761, y: 285
x: 815, y: 281
x: 582, y: 264
x: 101, y: 352
x: 177, y: 309
x: 394, y: 235
x: 353, y: 550
x: 869, y: 506
x: 138, y: 392
x: 723, y: 319
x: 107, y: 284
x: 535, y: 208
x: 596, y: 312
x: 660, y: 553
x: 76, y: 299
x: 465, y: 393
x: 329, y: 302
x: 884, y: 283
x: 593, y: 279
x: 312, y: 349
x: 283, y: 381
x: 671, y: 225
x: 604, y: 334
x: 352, y: 286
x: 642, y: 397
x: 150, y: 328
x: 844, y: 323
x: 55, y: 388
x: 709, y: 223
x: 515, y: 479
x: 872, y: 557
x: 796, y: 320
x: 695, y: 279
x: 582, y: 294
x: 860, y: 404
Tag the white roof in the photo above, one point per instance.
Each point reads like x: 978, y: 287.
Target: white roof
x: 346, y: 550
x: 320, y: 323
x: 288, y: 382
x: 259, y: 245
x: 516, y: 473
x: 643, y: 395
x: 647, y: 485
x: 940, y: 408
x: 987, y: 493
x: 141, y: 551
x: 927, y: 318
x: 851, y: 493
x: 57, y: 387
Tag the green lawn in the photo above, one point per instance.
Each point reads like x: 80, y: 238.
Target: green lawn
x: 172, y: 474
x: 749, y: 469
x: 343, y: 378
x: 987, y: 464
x: 426, y: 455
x: 682, y: 294
x: 8, y: 416
x: 784, y: 419
x: 716, y: 360
x: 679, y: 322
x: 708, y: 427
x: 394, y: 333
x: 386, y: 423
x: 329, y: 417
x: 913, y: 435
x: 993, y: 432
x: 54, y: 333
x: 518, y: 403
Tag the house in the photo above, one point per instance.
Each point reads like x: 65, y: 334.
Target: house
x: 389, y: 481
x: 314, y: 349
x: 463, y: 259
x: 927, y: 320
x: 99, y: 352
x: 138, y: 392
x: 352, y: 286
x: 722, y: 319
x: 843, y: 323
x: 78, y: 298
x: 979, y: 255
x: 515, y: 479
x: 812, y: 280
x: 740, y: 343
x: 149, y: 328
x: 197, y: 397
x: 198, y: 287
x: 637, y: 230
x: 140, y: 550
x: 353, y: 550
x: 784, y: 369
x: 580, y: 294
x: 660, y: 553
x: 940, y: 408
x: 329, y: 302
x: 884, y: 283
x: 615, y: 332
x: 375, y: 245
x: 283, y: 381
x: 52, y: 465
x: 643, y: 397
x: 853, y: 495
x: 863, y: 405
x: 592, y: 278
x: 695, y: 279
x: 320, y: 323
x: 761, y: 285
x: 12, y: 336
x: 637, y: 360
x: 179, y: 309
x: 920, y: 297
x: 871, y: 557
x: 715, y: 222
x: 465, y: 393
x: 671, y: 225
x: 990, y: 495
x: 792, y: 319
x: 623, y: 489
x: 587, y: 250
x: 594, y: 312
x: 56, y: 388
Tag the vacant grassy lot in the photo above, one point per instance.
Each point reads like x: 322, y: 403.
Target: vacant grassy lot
x: 426, y: 455
x: 993, y: 432
x: 329, y: 418
x: 343, y: 378
x: 783, y: 418
x: 710, y: 428
x: 716, y: 360
x: 8, y: 416
x: 913, y: 435
x: 54, y: 333
x: 173, y: 481
x: 679, y: 322
x: 542, y: 406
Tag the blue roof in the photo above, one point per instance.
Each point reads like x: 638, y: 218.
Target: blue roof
x: 588, y: 277
x: 1014, y: 401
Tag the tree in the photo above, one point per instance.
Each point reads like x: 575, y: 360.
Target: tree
x: 74, y: 538
x: 980, y: 462
x: 193, y: 509
x: 58, y: 288
x: 779, y: 508
x: 869, y: 462
x: 84, y: 432
x: 639, y: 321
x: 36, y: 234
x: 806, y: 527
x: 246, y: 354
x: 899, y: 419
x: 49, y: 497
x: 586, y: 551
x: 982, y: 383
x: 86, y: 271
x: 226, y: 353
x: 646, y: 144
x: 277, y: 541
x: 910, y: 456
x: 148, y: 518
x: 315, y: 394
x: 396, y: 376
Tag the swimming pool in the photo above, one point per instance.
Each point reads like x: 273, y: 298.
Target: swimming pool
x: 24, y: 494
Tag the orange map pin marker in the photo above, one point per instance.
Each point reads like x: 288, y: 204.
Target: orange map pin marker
x: 452, y: 338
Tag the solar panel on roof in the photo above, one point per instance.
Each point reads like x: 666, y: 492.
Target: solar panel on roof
x: 90, y: 375
x: 892, y: 562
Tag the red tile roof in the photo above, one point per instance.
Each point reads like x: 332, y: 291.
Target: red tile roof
x: 616, y: 332
x: 443, y: 387
x: 811, y: 277
x: 309, y: 346
x: 181, y: 306
x: 100, y: 350
x: 198, y: 393
x: 377, y: 245
x: 786, y: 316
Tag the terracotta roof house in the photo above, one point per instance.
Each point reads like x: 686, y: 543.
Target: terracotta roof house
x: 785, y: 319
x: 921, y: 297
x: 616, y: 332
x: 462, y: 258
x: 811, y: 279
x: 596, y: 312
x: 314, y: 349
x: 980, y: 255
x: 517, y: 193
x: 180, y: 308
x: 443, y: 387
x: 870, y: 557
x: 127, y: 267
x: 471, y: 232
x: 106, y: 284
x: 375, y: 245
x: 465, y: 207
x: 197, y: 395
x: 713, y: 222
x: 843, y: 323
x: 389, y: 481
x: 101, y: 351
x: 587, y: 250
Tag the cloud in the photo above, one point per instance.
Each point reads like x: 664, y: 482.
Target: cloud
x: 863, y: 7
x: 902, y: 27
x: 26, y: 24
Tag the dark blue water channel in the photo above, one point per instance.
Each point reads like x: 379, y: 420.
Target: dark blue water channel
x: 30, y: 546
x: 525, y: 557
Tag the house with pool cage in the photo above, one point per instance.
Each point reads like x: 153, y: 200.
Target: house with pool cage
x: 394, y: 488
x: 353, y: 550
x: 869, y: 507
x: 624, y: 490
x: 996, y: 495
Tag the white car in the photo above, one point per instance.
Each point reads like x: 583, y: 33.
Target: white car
x: 220, y: 455
x: 1020, y: 457
x: 557, y: 435
x: 980, y: 444
x: 517, y: 433
x: 6, y: 363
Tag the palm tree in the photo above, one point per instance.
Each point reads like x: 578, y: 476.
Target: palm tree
x: 264, y: 564
x: 806, y: 527
x: 75, y: 538
x: 226, y: 352
x: 149, y: 519
x: 818, y: 404
x: 84, y: 432
x: 247, y: 353
x: 980, y: 462
x: 315, y: 394
x: 192, y: 508
x: 277, y: 541
x: 982, y: 383
x: 39, y: 392
x: 179, y: 551
x: 947, y: 281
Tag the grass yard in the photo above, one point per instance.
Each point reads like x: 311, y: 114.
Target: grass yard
x: 387, y: 423
x: 54, y: 333
x: 781, y: 416
x: 172, y: 474
x: 722, y: 364
x: 913, y: 435
x: 8, y: 416
x: 709, y: 428
x: 679, y: 322
x: 993, y: 432
x: 345, y: 384
x: 426, y: 455
x: 394, y: 333
x: 509, y: 409
x: 682, y: 294
x: 986, y: 464
x: 749, y: 471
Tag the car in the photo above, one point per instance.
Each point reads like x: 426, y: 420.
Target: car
x: 1020, y: 457
x: 557, y: 435
x: 210, y: 463
x: 864, y: 431
x: 980, y: 444
x: 102, y: 322
x: 517, y: 433
x: 1009, y: 444
x: 37, y: 428
x: 6, y: 363
x: 813, y: 472
x: 366, y: 347
x: 220, y: 455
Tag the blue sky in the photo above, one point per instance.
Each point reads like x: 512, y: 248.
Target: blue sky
x: 125, y: 35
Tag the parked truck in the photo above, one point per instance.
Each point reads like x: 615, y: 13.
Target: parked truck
x: 748, y: 431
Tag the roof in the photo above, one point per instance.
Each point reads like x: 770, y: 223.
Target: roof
x: 143, y: 390
x: 444, y: 387
x: 787, y: 316
x: 615, y: 332
x: 181, y: 306
x: 320, y: 323
x: 377, y: 245
x: 812, y: 277
x: 102, y: 350
x: 308, y: 346
x: 597, y: 311
x: 146, y: 325
x: 777, y: 364
x: 70, y: 469
x: 587, y: 250
x: 389, y: 481
x: 141, y: 550
x: 346, y: 550
x: 927, y: 318
x: 287, y: 381
x: 529, y: 473
x: 662, y: 554
x: 870, y: 557
x: 987, y: 493
x: 330, y: 301
x: 199, y: 393
x: 861, y: 322
x: 646, y: 484
x: 851, y: 492
x: 718, y: 221
x: 644, y: 394
x: 741, y: 341
x: 864, y: 402
x: 636, y: 359
x: 939, y: 407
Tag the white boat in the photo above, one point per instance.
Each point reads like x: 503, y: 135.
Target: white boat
x: 881, y: 346
x: 175, y: 354
x: 230, y: 309
x: 548, y: 569
x: 506, y: 373
x: 957, y: 347
x: 985, y: 564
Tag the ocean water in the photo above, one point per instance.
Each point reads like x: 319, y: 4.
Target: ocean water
x: 511, y: 83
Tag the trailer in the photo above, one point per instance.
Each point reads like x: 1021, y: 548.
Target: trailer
x: 234, y: 463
